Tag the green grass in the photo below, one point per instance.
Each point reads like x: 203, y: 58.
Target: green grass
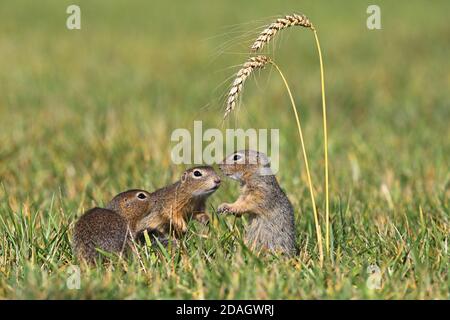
x: 86, y: 114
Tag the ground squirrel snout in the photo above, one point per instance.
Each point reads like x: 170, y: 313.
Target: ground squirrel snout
x: 271, y: 226
x: 200, y: 181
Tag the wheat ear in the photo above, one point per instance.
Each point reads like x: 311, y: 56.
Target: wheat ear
x: 248, y: 67
x: 280, y: 24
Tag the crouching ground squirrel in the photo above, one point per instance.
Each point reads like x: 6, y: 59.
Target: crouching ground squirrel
x: 130, y: 213
x: 271, y: 226
x: 111, y: 228
x: 173, y: 205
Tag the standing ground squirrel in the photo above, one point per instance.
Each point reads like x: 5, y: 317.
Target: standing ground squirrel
x: 271, y: 213
x: 110, y: 229
x: 173, y: 205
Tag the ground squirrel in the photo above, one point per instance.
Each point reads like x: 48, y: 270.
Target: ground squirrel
x: 271, y: 213
x: 173, y: 205
x: 134, y: 211
x: 111, y: 228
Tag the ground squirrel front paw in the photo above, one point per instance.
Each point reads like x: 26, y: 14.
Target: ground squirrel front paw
x: 224, y: 208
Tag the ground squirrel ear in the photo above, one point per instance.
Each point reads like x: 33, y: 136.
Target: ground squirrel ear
x: 263, y: 160
x: 183, y: 177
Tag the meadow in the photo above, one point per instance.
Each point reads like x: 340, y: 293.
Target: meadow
x: 85, y: 114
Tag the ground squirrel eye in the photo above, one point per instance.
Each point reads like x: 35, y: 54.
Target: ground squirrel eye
x: 236, y: 157
x: 197, y: 173
x: 141, y: 196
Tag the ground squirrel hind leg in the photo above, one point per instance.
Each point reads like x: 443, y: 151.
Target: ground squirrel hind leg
x: 179, y: 225
x: 201, y: 217
x: 200, y: 214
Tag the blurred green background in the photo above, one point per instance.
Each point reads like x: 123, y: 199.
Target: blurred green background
x: 87, y: 113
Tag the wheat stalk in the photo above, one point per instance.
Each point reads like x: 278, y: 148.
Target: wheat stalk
x: 305, y: 159
x: 259, y: 62
x: 248, y: 67
x: 265, y: 36
x: 280, y: 24
x: 325, y: 145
